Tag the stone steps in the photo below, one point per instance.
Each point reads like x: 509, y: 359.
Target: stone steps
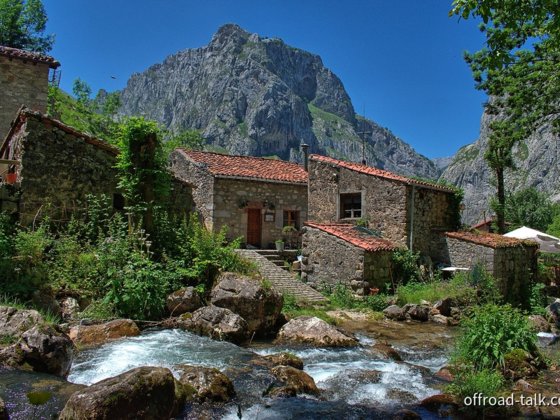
x: 280, y: 279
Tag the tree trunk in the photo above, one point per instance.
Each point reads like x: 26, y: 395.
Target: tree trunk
x: 501, y: 201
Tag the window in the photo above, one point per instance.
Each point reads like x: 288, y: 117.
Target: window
x: 351, y: 206
x: 291, y: 218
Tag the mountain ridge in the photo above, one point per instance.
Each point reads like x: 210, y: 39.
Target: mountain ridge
x: 252, y: 95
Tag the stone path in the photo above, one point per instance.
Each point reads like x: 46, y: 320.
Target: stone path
x: 282, y: 280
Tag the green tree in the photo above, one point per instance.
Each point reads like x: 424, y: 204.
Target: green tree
x: 188, y: 139
x: 142, y: 163
x: 529, y: 207
x: 22, y: 25
x: 81, y: 91
x: 518, y: 68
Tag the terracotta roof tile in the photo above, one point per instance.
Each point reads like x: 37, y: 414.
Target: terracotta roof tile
x: 491, y: 240
x: 370, y: 170
x: 355, y: 236
x: 28, y: 56
x: 249, y: 167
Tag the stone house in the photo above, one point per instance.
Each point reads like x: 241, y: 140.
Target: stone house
x: 255, y: 198
x: 56, y: 166
x: 343, y: 253
x: 408, y: 212
x: 512, y: 262
x: 24, y: 80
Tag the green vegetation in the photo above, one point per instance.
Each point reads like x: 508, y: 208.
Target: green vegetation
x: 530, y: 207
x: 493, y: 337
x: 468, y: 383
x: 22, y: 25
x: 491, y: 332
x: 518, y: 69
x: 125, y: 264
x: 405, y: 267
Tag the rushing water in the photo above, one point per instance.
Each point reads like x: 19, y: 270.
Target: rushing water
x: 354, y: 381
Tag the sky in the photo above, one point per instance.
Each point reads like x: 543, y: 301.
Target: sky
x: 401, y: 61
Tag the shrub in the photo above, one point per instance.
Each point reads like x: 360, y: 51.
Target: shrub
x: 490, y: 333
x: 342, y: 297
x: 467, y: 383
x: 537, y: 301
x: 405, y: 267
x: 375, y: 302
x: 458, y: 288
x: 139, y: 289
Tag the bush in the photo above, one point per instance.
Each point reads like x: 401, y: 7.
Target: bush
x: 468, y: 383
x: 405, y: 267
x: 490, y: 333
x: 458, y: 288
x: 139, y: 289
x: 538, y: 301
x: 375, y: 302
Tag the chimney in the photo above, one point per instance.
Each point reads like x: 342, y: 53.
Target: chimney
x: 305, y: 150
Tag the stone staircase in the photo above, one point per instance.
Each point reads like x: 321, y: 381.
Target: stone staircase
x: 281, y: 280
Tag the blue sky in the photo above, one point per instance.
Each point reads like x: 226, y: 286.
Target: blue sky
x: 401, y: 60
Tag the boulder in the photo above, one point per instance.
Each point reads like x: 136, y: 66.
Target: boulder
x: 292, y: 382
x: 553, y: 311
x: 385, y: 351
x: 47, y: 350
x: 539, y: 323
x: 417, y: 312
x: 247, y: 297
x: 183, y: 300
x: 395, y: 313
x: 218, y: 323
x: 315, y: 331
x: 444, y: 306
x: 43, y: 347
x: 13, y: 322
x: 209, y: 383
x: 434, y: 402
x: 69, y: 308
x: 439, y: 319
x: 405, y: 414
x: 90, y: 335
x: 285, y: 359
x: 445, y: 374
x: 141, y: 393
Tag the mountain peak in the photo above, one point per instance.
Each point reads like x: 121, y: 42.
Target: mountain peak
x: 252, y: 95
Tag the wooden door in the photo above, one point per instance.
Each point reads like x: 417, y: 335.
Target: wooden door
x: 254, y: 225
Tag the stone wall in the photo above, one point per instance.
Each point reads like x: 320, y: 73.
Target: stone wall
x: 384, y: 202
x: 58, y: 169
x: 512, y: 267
x: 433, y: 215
x: 232, y: 198
x: 515, y: 269
x: 328, y: 260
x: 203, y: 182
x: 21, y: 83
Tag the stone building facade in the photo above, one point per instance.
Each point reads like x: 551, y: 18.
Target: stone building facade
x: 512, y: 262
x: 410, y: 213
x: 57, y: 166
x: 254, y: 198
x: 24, y: 80
x: 342, y: 253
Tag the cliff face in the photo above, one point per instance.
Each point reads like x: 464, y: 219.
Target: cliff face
x: 251, y: 95
x: 536, y: 161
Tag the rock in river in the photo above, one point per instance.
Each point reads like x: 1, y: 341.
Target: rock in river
x: 141, y: 393
x: 315, y: 331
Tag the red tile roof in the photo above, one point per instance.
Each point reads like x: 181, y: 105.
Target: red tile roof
x: 353, y: 235
x: 369, y: 170
x: 28, y: 56
x: 248, y: 167
x: 491, y: 240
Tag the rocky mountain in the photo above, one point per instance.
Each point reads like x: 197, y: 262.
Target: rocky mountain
x: 252, y: 95
x: 536, y: 161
